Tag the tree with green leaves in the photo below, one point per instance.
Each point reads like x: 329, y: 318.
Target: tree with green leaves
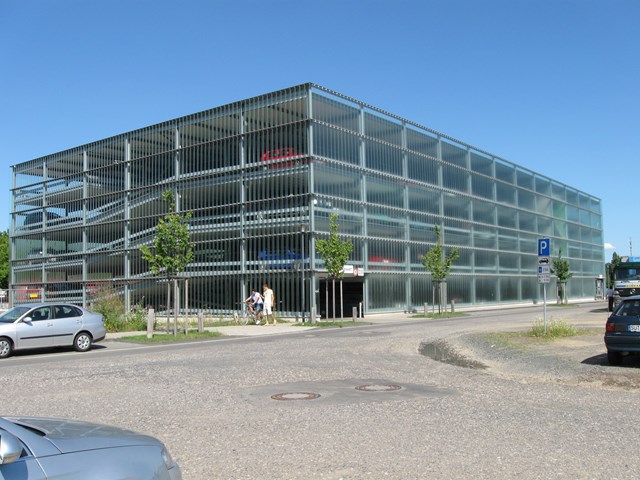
x: 171, y: 252
x: 561, y: 269
x: 334, y: 253
x: 610, y: 269
x: 4, y: 259
x: 439, y: 264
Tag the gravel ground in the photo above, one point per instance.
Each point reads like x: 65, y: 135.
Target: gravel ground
x: 578, y: 360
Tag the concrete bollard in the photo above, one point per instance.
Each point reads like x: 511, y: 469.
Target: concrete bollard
x: 150, y: 322
x: 354, y: 314
x: 453, y: 306
x: 200, y: 322
x: 313, y: 315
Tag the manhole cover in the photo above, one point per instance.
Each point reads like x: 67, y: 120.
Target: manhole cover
x: 378, y: 388
x: 296, y: 396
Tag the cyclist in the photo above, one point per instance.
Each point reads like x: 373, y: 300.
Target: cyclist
x: 255, y: 304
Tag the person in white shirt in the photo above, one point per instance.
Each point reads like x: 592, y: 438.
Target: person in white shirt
x: 255, y: 304
x: 269, y: 298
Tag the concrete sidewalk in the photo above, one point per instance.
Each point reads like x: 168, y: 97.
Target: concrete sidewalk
x: 231, y: 331
x: 376, y: 318
x: 279, y: 328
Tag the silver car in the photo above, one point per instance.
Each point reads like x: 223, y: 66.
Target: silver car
x: 45, y: 448
x: 42, y: 325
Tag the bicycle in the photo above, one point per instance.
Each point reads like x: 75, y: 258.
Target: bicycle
x: 244, y: 315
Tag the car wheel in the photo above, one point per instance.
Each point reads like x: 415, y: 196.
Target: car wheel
x: 615, y: 358
x: 82, y: 342
x: 5, y: 347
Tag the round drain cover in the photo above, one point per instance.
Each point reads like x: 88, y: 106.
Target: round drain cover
x: 296, y: 396
x: 378, y: 388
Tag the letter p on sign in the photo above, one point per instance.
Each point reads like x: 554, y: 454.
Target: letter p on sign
x: 544, y: 247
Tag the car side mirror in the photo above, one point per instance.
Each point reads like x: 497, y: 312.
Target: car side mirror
x: 26, y: 319
x: 10, y: 448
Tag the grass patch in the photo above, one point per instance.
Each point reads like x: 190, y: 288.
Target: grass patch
x: 163, y: 337
x: 555, y: 329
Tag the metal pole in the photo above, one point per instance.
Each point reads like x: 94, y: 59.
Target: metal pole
x: 544, y: 296
x: 302, y: 275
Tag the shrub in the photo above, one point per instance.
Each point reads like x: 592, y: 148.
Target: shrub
x: 115, y: 319
x: 112, y: 309
x: 136, y: 319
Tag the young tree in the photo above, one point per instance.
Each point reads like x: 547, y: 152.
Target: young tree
x: 4, y: 259
x: 610, y: 269
x: 560, y: 268
x: 171, y: 251
x: 439, y: 264
x: 334, y: 253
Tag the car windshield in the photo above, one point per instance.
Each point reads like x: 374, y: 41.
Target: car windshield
x: 12, y: 315
x: 627, y: 274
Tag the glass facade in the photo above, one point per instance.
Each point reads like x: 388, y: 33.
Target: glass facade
x: 261, y: 178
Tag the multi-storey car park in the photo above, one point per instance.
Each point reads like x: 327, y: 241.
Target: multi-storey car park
x: 261, y: 177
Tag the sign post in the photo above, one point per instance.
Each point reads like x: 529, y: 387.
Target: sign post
x: 544, y: 271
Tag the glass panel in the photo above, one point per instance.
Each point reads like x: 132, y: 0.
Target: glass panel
x: 456, y: 206
x: 337, y: 182
x: 423, y: 169
x: 527, y: 200
x: 543, y: 185
x: 524, y: 179
x: 484, y: 212
x: 455, y: 178
x: 507, y: 217
x: 384, y: 192
x: 481, y: 164
x: 422, y: 142
x: 505, y: 172
x: 527, y: 221
x: 424, y: 200
x: 482, y: 186
x: 454, y: 154
x: 336, y: 144
x: 382, y: 129
x: 484, y: 237
x: 335, y: 112
x: 383, y: 157
x: 486, y: 288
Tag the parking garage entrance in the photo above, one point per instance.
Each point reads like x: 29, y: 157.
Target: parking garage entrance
x: 352, y: 296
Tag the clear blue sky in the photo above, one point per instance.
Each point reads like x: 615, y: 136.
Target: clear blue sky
x: 553, y: 85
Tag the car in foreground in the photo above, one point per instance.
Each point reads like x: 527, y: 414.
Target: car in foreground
x: 45, y: 325
x: 34, y: 448
x: 622, y: 332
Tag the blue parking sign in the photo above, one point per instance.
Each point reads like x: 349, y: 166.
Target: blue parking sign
x: 544, y: 247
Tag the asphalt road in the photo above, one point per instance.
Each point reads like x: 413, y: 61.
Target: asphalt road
x: 351, y: 403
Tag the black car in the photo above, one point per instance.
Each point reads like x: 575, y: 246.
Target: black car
x: 622, y: 333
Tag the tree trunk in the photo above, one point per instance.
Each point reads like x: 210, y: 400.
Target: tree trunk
x: 341, y: 302
x: 326, y: 298
x: 333, y: 297
x: 168, y: 304
x: 562, y: 293
x: 176, y: 306
x: 440, y: 292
